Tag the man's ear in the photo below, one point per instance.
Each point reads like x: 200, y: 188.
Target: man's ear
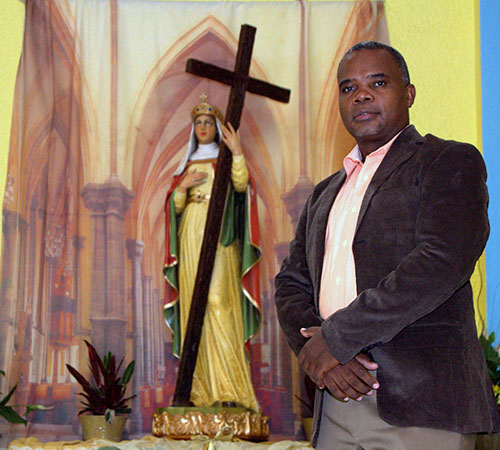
x: 410, y: 94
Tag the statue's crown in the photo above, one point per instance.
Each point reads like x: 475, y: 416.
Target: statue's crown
x: 206, y: 108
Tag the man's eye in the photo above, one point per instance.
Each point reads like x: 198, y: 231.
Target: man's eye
x: 347, y: 88
x: 380, y: 83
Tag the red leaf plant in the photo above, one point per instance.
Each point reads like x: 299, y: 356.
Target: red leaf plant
x: 104, y: 394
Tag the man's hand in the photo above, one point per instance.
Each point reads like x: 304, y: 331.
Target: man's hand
x: 315, y: 358
x: 352, y: 379
x: 344, y: 381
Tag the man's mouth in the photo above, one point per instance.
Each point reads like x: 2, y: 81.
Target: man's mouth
x: 364, y: 115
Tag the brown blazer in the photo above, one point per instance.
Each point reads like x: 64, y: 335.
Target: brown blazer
x: 422, y: 226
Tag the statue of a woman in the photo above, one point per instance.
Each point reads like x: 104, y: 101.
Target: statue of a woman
x: 222, y: 372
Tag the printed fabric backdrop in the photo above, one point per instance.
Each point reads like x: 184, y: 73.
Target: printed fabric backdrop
x: 101, y: 119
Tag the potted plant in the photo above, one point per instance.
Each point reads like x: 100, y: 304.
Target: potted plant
x: 104, y: 396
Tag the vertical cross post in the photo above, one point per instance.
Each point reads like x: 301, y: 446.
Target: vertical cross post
x: 240, y: 82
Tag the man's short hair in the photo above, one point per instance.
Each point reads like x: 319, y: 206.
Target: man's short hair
x: 373, y: 45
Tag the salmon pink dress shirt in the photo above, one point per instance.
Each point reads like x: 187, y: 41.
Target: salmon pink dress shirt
x: 338, y: 278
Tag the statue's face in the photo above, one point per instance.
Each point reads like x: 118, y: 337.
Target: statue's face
x: 205, y: 128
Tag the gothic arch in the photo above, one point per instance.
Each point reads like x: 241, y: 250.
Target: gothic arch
x: 160, y: 130
x: 56, y: 131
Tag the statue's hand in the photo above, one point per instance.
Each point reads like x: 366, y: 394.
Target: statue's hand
x: 232, y: 139
x: 191, y: 179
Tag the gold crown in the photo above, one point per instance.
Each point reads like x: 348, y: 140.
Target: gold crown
x: 206, y: 108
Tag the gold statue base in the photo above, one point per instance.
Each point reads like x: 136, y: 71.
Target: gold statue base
x: 183, y: 422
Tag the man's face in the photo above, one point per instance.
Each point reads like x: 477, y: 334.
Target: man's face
x: 205, y: 129
x: 373, y: 98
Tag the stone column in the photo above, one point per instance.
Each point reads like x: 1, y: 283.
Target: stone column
x: 108, y: 203
x: 135, y: 250
x: 159, y: 334
x: 147, y: 282
x: 52, y: 258
x: 78, y: 243
x: 33, y: 374
x: 11, y: 225
x: 22, y: 329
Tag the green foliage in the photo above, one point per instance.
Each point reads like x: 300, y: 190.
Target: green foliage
x: 492, y: 356
x: 104, y: 393
x: 491, y: 353
x: 8, y: 412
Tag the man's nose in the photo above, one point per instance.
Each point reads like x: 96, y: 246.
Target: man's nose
x: 363, y: 96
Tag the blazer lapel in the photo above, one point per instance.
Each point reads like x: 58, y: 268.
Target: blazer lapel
x: 324, y: 206
x: 401, y: 150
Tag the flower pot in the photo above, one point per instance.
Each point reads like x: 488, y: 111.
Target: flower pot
x: 97, y: 427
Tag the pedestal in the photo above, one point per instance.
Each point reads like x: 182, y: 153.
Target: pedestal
x: 184, y: 422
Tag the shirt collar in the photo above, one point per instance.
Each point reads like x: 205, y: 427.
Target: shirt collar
x: 354, y: 157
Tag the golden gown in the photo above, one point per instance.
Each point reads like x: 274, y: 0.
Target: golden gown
x: 222, y: 370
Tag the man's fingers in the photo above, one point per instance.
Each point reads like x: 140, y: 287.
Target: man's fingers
x: 359, y: 380
x: 315, y: 358
x: 363, y: 364
x: 347, y: 382
x: 303, y: 332
x: 351, y: 380
x: 366, y: 362
x: 309, y: 332
x: 333, y: 388
x: 342, y: 392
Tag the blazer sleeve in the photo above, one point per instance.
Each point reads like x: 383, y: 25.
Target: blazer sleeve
x: 451, y: 230
x: 294, y: 294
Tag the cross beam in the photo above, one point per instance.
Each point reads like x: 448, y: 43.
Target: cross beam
x: 255, y: 86
x: 240, y: 82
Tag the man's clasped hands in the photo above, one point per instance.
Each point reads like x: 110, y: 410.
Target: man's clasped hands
x: 351, y: 380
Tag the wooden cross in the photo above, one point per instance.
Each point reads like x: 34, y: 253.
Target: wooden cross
x: 240, y: 82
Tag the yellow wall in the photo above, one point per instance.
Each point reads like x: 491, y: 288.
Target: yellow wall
x: 11, y: 34
x: 439, y: 39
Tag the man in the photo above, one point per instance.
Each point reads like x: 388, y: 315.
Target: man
x: 374, y: 296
